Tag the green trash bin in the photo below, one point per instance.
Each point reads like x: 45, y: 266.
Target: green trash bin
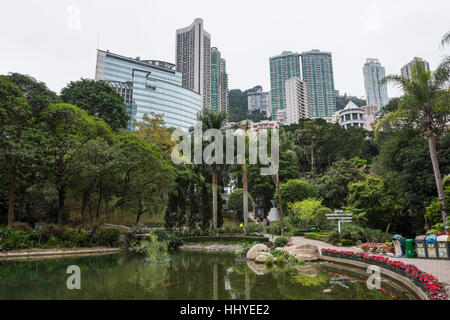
x: 410, y: 251
x: 313, y: 229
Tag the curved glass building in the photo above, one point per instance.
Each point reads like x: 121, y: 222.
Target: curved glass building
x: 150, y: 86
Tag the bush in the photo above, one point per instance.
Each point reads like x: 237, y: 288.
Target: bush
x: 255, y: 227
x: 173, y: 241
x: 296, y: 190
x: 235, y: 202
x: 11, y: 239
x: 322, y: 236
x: 274, y: 228
x: 53, y: 242
x: 20, y: 226
x: 280, y: 242
x: 109, y: 237
x: 226, y: 239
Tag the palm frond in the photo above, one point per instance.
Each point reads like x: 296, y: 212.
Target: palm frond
x: 392, y: 118
x: 445, y: 39
x: 441, y: 76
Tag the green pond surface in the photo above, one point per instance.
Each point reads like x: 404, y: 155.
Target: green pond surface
x: 188, y: 275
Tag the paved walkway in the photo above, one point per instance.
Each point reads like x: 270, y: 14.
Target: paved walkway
x: 437, y: 267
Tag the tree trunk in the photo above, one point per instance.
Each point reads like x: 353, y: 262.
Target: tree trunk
x: 11, y: 193
x: 245, y: 196
x: 84, y: 203
x: 437, y: 176
x: 280, y: 208
x: 61, y: 201
x: 99, y: 202
x: 214, y: 194
x: 107, y: 211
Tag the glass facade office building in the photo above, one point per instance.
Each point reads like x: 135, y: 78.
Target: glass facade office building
x: 150, y: 86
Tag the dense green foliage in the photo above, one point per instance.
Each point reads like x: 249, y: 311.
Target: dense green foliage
x: 99, y: 99
x: 49, y: 236
x: 235, y: 202
x: 226, y: 239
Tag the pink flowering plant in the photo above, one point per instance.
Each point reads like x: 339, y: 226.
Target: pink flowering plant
x: 434, y: 289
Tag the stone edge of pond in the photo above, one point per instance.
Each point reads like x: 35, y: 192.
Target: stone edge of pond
x: 405, y: 281
x: 56, y: 253
x: 212, y: 247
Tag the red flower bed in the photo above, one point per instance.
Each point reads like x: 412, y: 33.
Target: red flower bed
x: 434, y: 289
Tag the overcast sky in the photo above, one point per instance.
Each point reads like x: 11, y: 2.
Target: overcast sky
x: 56, y: 41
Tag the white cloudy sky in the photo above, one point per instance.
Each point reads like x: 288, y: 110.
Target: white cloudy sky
x: 55, y: 41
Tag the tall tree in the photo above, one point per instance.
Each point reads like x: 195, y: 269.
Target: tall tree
x: 425, y: 106
x: 69, y: 128
x: 211, y: 119
x: 15, y: 120
x: 98, y: 99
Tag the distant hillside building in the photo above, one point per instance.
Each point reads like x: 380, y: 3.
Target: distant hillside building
x: 193, y: 59
x: 219, y: 82
x: 352, y: 116
x: 370, y: 115
x: 317, y: 69
x: 297, y: 100
x: 281, y: 117
x: 376, y: 92
x: 407, y: 69
x: 259, y: 100
x: 282, y: 67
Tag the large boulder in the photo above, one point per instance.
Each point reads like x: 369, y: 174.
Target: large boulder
x: 262, y: 257
x: 307, y: 252
x: 256, y: 250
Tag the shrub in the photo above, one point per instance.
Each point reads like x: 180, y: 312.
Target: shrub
x: 53, y: 242
x: 274, y: 228
x: 235, y: 202
x: 269, y: 261
x: 226, y: 239
x: 173, y: 241
x: 296, y: 190
x: 255, y: 227
x: 348, y: 242
x: 20, y: 226
x: 50, y: 230
x: 11, y: 239
x: 305, y: 211
x: 280, y: 242
x: 280, y: 260
x: 109, y: 237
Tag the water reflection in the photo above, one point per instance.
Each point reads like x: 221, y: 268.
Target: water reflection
x: 189, y: 275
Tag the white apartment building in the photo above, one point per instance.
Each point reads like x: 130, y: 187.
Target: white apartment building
x: 281, y: 117
x: 193, y: 59
x: 297, y: 100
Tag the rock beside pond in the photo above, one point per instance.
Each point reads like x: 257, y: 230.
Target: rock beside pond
x: 262, y: 257
x: 256, y: 250
x: 306, y: 252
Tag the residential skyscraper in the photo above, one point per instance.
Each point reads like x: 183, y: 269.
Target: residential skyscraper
x: 376, y: 92
x: 149, y: 86
x: 282, y: 68
x: 259, y: 100
x: 317, y: 69
x: 408, y: 68
x: 193, y: 59
x: 219, y: 82
x: 297, y: 100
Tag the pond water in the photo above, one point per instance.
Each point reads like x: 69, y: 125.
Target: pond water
x: 188, y: 275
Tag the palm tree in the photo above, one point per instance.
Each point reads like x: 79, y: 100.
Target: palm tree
x: 424, y: 106
x: 212, y: 119
x: 445, y: 39
x: 245, y: 127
